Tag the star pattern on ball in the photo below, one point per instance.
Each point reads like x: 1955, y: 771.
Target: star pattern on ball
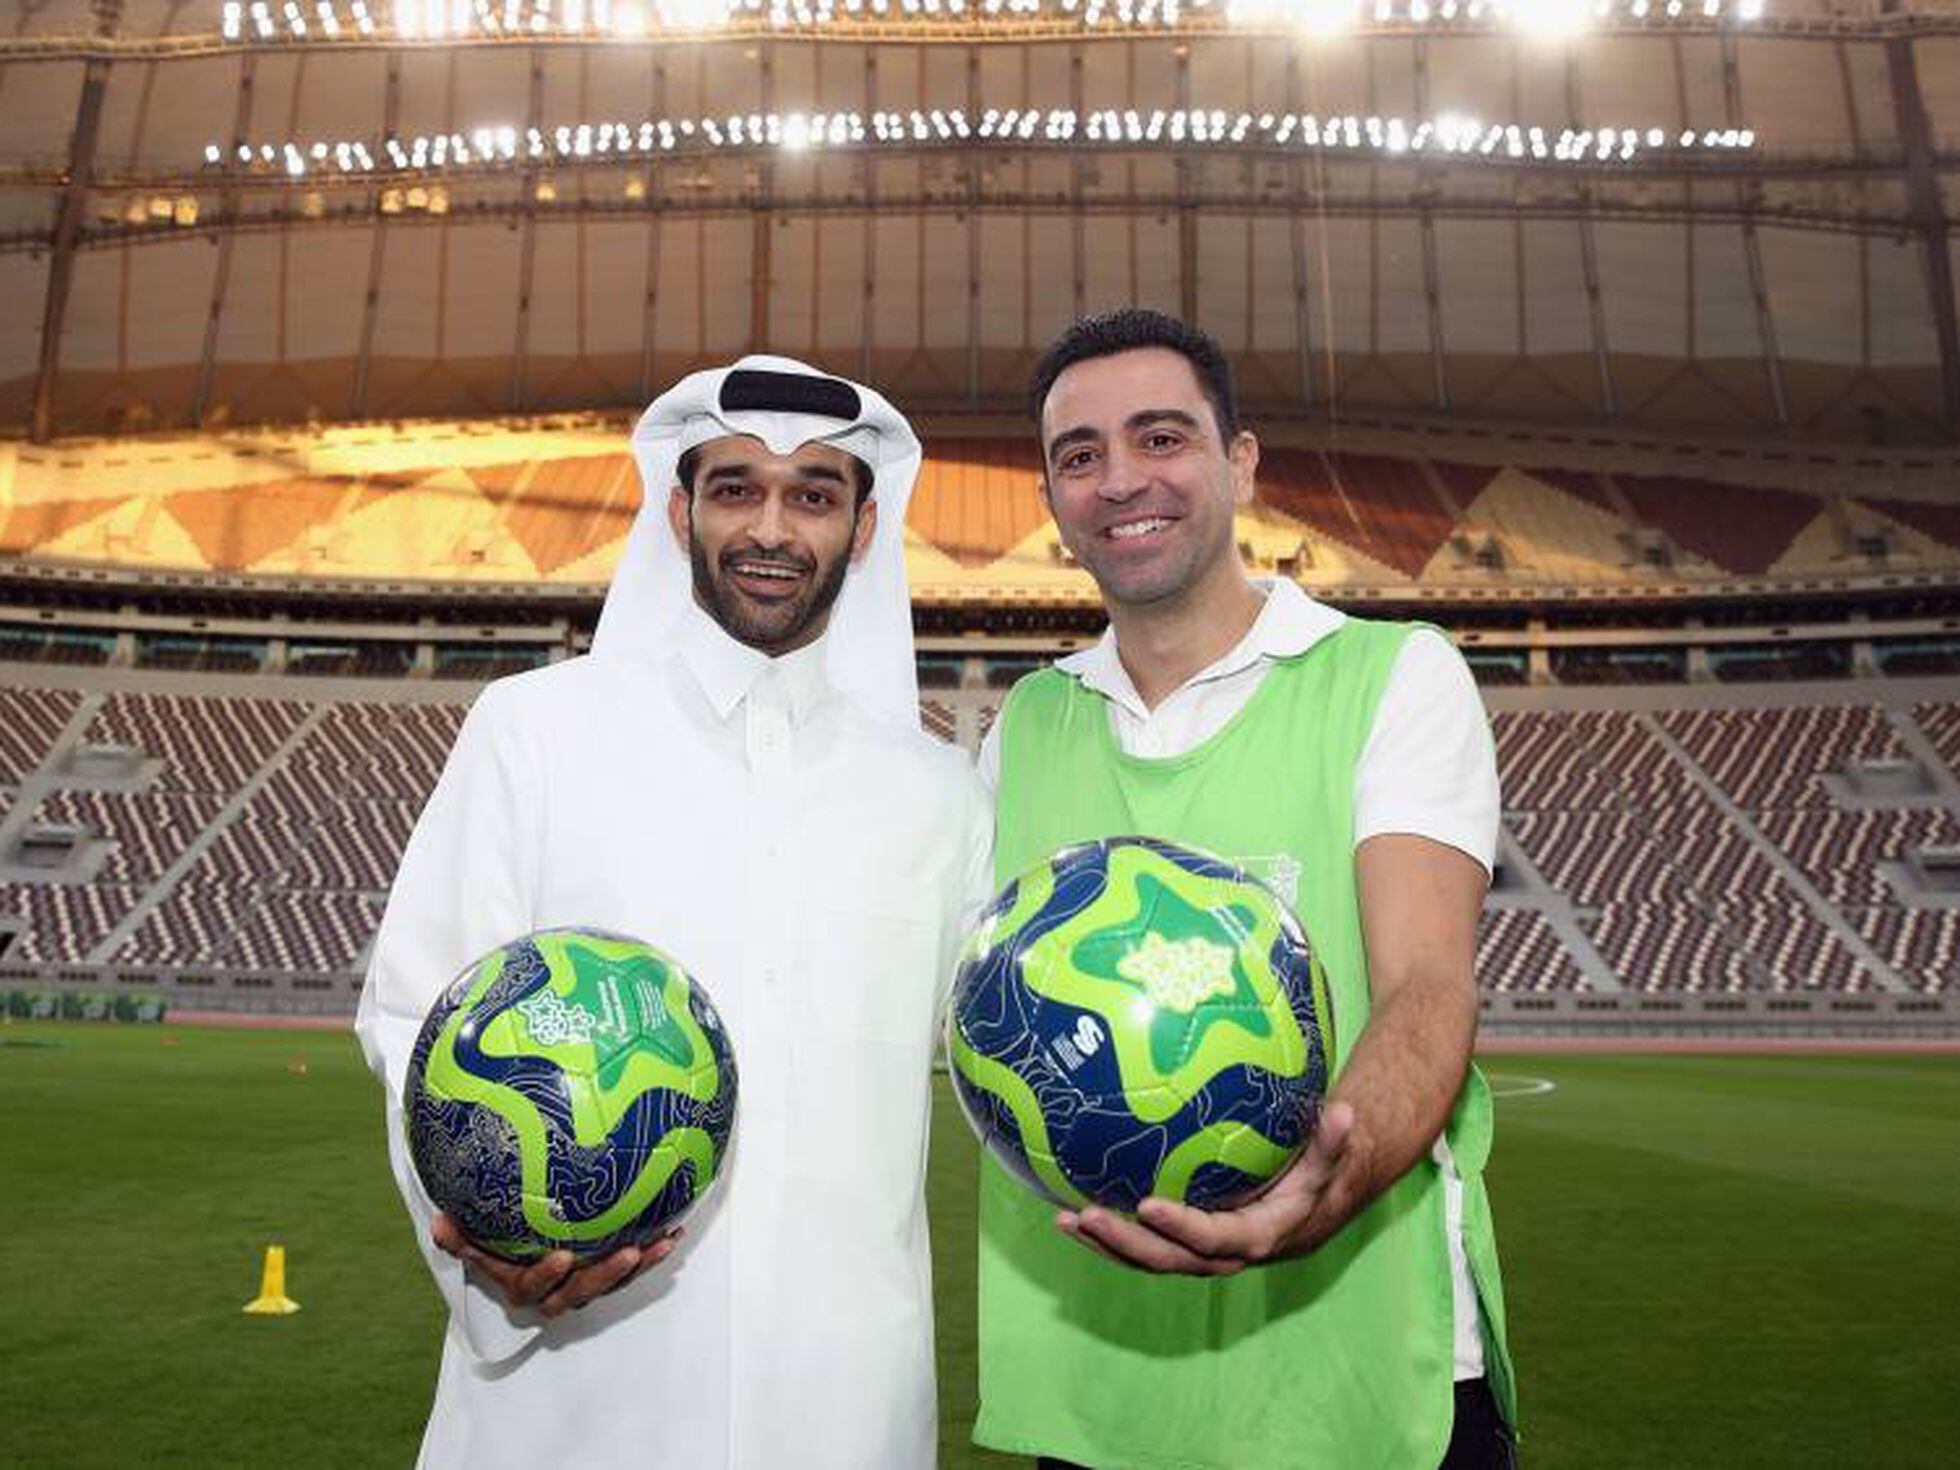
x: 627, y: 991
x: 1168, y: 952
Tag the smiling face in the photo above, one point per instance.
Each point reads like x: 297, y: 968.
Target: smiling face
x: 1140, y: 482
x: 771, y: 536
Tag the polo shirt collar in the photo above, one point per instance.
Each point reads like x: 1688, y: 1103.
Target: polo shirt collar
x: 1288, y: 625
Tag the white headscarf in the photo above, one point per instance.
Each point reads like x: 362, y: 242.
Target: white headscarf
x: 869, y: 639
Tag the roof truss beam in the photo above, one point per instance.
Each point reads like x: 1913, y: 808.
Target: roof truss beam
x: 67, y: 238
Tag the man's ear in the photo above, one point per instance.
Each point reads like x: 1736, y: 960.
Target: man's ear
x: 680, y: 507
x: 867, y: 527
x: 1244, y: 455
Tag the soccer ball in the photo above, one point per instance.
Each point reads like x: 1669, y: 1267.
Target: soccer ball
x: 1133, y: 1018
x: 571, y: 1090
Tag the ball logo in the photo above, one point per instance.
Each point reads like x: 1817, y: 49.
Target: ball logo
x: 552, y: 1021
x: 1088, y: 1035
x: 1179, y: 974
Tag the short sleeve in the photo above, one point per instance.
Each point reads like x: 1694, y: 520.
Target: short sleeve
x: 1430, y: 767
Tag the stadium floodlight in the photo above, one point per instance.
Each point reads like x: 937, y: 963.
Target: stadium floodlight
x: 695, y: 15
x: 1453, y: 130
x: 1551, y: 20
x: 585, y: 143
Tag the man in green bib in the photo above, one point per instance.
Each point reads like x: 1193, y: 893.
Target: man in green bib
x: 1352, y: 1317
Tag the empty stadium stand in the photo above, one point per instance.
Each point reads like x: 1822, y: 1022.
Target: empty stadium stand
x: 1673, y: 848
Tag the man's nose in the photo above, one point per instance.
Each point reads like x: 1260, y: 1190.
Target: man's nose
x: 768, y: 528
x: 1123, y: 475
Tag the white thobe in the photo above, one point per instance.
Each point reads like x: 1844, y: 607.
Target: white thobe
x: 1429, y: 768
x: 812, y: 868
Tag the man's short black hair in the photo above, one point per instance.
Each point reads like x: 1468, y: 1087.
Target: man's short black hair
x: 690, y: 461
x: 1125, y: 330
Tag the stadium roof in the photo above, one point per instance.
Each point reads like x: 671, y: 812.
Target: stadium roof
x: 1730, y: 215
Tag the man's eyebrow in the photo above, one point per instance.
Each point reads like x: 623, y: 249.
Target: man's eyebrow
x: 741, y: 469
x: 1143, y: 418
x: 1082, y: 434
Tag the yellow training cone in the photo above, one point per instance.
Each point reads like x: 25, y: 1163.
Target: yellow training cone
x: 272, y: 1300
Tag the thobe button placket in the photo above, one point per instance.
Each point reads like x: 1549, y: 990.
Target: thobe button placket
x: 769, y: 745
x: 767, y: 726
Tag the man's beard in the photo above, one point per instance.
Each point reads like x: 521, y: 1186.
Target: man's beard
x: 771, y: 627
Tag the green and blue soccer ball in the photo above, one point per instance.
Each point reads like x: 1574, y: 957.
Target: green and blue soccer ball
x: 572, y: 1090
x: 1134, y: 1018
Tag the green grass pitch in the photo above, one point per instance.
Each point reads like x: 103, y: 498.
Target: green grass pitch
x: 1712, y: 1260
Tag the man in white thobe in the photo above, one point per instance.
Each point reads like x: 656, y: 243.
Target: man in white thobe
x: 738, y: 777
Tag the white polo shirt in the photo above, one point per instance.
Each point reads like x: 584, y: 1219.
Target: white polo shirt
x: 1429, y: 769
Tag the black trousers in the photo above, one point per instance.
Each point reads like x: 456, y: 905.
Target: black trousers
x: 1479, y: 1437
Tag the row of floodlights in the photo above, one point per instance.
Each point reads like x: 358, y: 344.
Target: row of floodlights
x: 154, y: 209
x: 1450, y: 134
x: 302, y: 20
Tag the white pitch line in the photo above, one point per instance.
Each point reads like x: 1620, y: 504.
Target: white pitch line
x: 1503, y: 1084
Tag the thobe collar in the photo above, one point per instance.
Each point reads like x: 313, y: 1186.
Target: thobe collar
x: 1288, y: 625
x: 729, y: 671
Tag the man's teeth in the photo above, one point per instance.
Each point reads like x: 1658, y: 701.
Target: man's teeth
x: 755, y: 569
x: 1137, y: 528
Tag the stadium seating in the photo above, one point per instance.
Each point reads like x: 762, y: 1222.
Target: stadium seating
x: 61, y: 923
x: 1841, y: 851
x: 151, y: 828
x: 213, y: 745
x: 1668, y: 946
x: 1921, y: 945
x: 1518, y: 953
x: 1779, y: 757
x: 30, y: 722
x: 1709, y: 850
x: 1677, y: 894
x: 1941, y: 722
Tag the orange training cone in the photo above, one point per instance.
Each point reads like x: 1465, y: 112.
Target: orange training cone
x: 272, y: 1300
